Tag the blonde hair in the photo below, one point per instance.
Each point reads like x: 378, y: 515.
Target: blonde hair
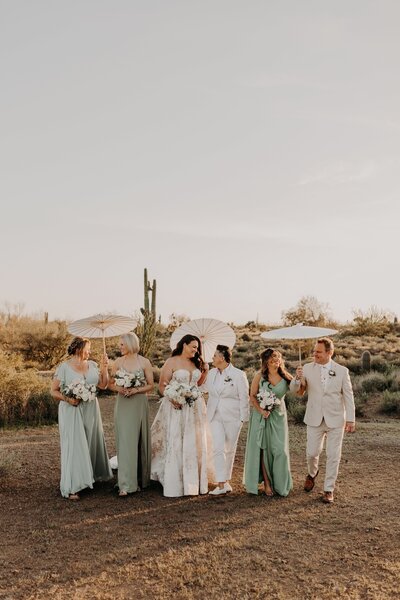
x: 131, y: 341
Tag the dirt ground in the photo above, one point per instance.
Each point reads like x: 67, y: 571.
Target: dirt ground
x: 238, y: 546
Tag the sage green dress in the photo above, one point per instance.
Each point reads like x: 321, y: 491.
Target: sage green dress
x: 133, y: 442
x: 84, y: 457
x: 269, y: 439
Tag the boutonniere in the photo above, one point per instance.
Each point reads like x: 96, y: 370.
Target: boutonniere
x: 332, y: 373
x: 228, y: 379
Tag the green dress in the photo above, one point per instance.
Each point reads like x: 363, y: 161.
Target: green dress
x: 269, y: 438
x: 133, y: 442
x: 84, y: 457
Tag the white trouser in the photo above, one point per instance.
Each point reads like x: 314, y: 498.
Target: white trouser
x: 225, y: 435
x: 315, y: 443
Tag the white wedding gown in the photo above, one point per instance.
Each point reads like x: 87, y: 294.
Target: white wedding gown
x: 180, y: 439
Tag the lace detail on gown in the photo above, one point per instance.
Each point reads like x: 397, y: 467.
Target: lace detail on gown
x: 180, y: 459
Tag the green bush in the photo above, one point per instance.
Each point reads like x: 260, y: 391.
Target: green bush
x: 353, y: 364
x: 373, y: 382
x: 378, y: 363
x: 390, y: 403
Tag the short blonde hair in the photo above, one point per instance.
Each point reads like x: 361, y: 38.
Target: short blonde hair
x: 131, y: 341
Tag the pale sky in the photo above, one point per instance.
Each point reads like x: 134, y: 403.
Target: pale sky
x: 246, y: 152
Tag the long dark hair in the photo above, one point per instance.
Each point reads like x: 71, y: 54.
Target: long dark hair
x: 265, y: 356
x: 196, y: 360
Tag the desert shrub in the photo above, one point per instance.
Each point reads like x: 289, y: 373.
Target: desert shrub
x: 373, y: 321
x: 246, y: 337
x: 394, y: 381
x: 241, y: 349
x: 360, y: 401
x: 250, y: 372
x: 156, y: 374
x: 390, y: 403
x: 373, y: 382
x: 378, y: 363
x: 41, y: 408
x: 353, y: 364
x: 297, y: 409
x: 40, y: 344
x: 24, y: 396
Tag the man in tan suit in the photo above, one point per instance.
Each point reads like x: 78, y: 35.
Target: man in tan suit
x: 330, y: 412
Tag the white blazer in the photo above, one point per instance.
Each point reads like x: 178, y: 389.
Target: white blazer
x: 232, y: 400
x: 335, y: 404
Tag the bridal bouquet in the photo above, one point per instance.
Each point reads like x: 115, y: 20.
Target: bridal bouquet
x: 268, y: 400
x: 86, y: 392
x: 129, y: 380
x: 182, y: 392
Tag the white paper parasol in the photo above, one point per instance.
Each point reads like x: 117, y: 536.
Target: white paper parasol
x: 298, y: 332
x: 102, y: 326
x: 210, y: 332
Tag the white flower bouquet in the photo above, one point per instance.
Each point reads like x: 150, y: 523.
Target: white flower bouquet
x: 268, y: 400
x: 129, y: 380
x: 85, y: 392
x: 182, y: 392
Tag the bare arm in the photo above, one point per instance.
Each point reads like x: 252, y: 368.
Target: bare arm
x: 103, y: 373
x: 165, y: 376
x: 299, y: 385
x: 203, y: 375
x: 57, y: 395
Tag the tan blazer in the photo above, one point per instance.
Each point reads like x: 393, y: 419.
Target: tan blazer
x: 335, y: 404
x: 232, y: 400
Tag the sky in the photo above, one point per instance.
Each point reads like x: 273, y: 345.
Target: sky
x: 246, y: 152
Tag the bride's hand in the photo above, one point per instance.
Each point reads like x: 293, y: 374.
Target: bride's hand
x: 176, y: 405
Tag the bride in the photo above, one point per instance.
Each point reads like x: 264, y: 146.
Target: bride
x: 179, y: 434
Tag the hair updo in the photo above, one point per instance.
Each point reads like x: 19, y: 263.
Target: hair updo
x: 225, y: 352
x: 77, y: 345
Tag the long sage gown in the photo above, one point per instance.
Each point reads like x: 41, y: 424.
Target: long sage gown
x: 133, y: 441
x: 269, y: 438
x: 84, y: 457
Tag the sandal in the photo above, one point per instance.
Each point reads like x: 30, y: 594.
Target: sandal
x: 122, y: 494
x: 73, y: 497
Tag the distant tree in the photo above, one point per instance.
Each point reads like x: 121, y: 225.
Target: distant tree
x: 309, y: 311
x: 373, y: 321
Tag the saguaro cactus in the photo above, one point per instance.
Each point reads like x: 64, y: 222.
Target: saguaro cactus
x: 366, y: 361
x: 146, y: 328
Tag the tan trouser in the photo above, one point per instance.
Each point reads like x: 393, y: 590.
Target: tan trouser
x: 315, y: 443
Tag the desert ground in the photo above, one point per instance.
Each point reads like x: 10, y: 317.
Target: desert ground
x: 237, y: 546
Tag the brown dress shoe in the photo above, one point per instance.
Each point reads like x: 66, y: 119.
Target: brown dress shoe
x: 310, y: 482
x: 327, y: 497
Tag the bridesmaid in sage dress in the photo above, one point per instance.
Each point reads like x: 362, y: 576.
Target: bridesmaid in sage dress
x: 84, y: 457
x: 132, y: 430
x: 267, y: 449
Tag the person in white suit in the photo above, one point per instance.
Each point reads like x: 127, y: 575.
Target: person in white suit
x: 330, y: 412
x: 227, y: 410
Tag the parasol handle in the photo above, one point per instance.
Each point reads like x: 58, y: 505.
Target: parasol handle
x: 104, y: 343
x: 299, y: 354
